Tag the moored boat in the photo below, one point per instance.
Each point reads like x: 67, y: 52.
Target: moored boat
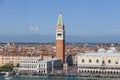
x: 8, y: 76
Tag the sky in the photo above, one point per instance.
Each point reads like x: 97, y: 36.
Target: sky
x: 81, y: 17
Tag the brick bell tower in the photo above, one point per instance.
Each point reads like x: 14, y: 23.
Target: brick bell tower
x: 60, y: 39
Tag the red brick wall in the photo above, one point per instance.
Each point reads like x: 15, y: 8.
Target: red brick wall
x: 60, y: 49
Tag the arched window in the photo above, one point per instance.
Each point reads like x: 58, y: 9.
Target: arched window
x: 111, y: 72
x: 82, y: 71
x: 91, y: 71
x: 97, y: 61
x: 114, y: 72
x: 102, y: 71
x: 109, y: 61
x: 79, y: 71
x: 96, y: 71
x: 88, y: 71
x: 83, y: 60
x: 117, y: 72
x: 116, y: 62
x: 103, y: 62
x: 105, y: 72
x: 90, y: 60
x: 99, y: 72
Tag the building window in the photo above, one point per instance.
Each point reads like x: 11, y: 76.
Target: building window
x: 103, y: 62
x: 116, y: 62
x: 83, y: 60
x: 59, y: 34
x: 109, y: 61
x: 97, y: 61
x: 90, y: 60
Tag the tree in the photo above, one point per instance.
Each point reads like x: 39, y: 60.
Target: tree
x: 6, y: 68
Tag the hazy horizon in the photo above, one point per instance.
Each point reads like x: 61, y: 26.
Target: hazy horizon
x: 52, y: 38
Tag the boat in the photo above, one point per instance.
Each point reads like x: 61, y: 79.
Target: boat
x: 8, y: 76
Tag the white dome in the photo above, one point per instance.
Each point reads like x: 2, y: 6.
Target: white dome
x: 112, y: 50
x: 101, y: 50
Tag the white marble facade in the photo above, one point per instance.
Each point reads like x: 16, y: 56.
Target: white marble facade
x: 36, y: 64
x: 103, y: 62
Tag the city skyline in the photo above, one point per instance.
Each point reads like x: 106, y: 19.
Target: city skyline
x: 81, y: 18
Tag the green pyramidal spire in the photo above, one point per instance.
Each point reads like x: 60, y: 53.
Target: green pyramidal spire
x: 60, y: 20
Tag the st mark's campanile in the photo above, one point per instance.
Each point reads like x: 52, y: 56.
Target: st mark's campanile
x: 60, y: 39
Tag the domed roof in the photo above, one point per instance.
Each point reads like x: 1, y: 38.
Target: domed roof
x: 112, y: 50
x: 101, y: 50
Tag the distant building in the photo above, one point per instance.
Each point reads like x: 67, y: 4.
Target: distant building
x: 37, y: 65
x: 101, y: 63
x: 6, y: 59
x: 47, y: 57
x: 29, y: 64
x: 69, y: 60
x: 12, y: 59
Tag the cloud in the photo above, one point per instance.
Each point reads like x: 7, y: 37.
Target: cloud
x: 116, y: 30
x: 33, y: 28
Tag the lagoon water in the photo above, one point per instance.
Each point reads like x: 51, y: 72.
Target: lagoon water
x: 58, y: 78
